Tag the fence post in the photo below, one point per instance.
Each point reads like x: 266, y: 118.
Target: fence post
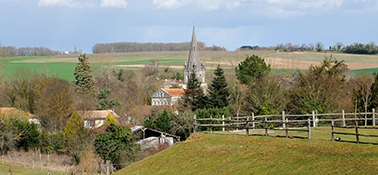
x: 287, y: 132
x: 309, y: 129
x: 313, y: 119
x: 253, y: 119
x: 333, y: 134
x: 195, y: 124
x: 222, y: 122
x: 283, y: 119
x: 373, y: 116
x: 211, y: 124
x: 266, y: 127
x: 66, y: 169
x: 229, y: 124
x: 247, y: 126
x: 343, y: 117
x: 358, y: 139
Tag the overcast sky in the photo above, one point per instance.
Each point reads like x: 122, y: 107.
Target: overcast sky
x: 62, y: 24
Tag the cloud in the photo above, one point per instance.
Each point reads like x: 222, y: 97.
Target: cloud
x: 207, y: 5
x: 114, y: 3
x: 56, y: 3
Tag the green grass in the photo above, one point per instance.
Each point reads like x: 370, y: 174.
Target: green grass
x: 206, y: 153
x: 20, y: 170
x: 64, y: 70
x: 370, y: 71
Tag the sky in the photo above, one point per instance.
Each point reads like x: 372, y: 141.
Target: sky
x: 62, y: 24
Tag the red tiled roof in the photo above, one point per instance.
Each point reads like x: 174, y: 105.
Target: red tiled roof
x: 105, y: 126
x: 97, y: 114
x: 175, y: 92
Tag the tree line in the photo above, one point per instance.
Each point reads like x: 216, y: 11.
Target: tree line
x: 358, y: 48
x: 122, y: 47
x: 10, y: 51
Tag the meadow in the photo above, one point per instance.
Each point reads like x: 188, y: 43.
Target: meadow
x: 64, y: 65
x: 205, y: 153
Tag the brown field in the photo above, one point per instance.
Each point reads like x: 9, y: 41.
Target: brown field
x: 227, y: 59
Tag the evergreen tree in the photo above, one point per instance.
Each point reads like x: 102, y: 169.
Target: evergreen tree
x: 218, y: 90
x: 251, y: 68
x: 194, y: 95
x: 74, y: 124
x: 83, y: 76
x: 103, y: 100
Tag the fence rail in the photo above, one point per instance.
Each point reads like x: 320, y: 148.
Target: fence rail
x: 245, y: 122
x: 355, y: 133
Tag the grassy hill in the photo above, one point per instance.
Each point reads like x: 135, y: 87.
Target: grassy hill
x: 205, y: 153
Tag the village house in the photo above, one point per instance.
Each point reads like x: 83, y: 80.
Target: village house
x: 96, y: 118
x: 18, y: 113
x: 166, y: 97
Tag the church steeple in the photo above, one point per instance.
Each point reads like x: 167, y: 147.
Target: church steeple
x: 194, y: 61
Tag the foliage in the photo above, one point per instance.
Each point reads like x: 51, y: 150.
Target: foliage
x: 52, y: 142
x: 265, y: 97
x: 182, y: 124
x: 74, y: 124
x: 320, y: 89
x: 214, y: 113
x: 110, y: 119
x: 253, y: 67
x: 112, y: 142
x: 76, y: 136
x: 104, y: 101
x: 161, y: 122
x: 373, y: 98
x: 218, y: 91
x: 29, y: 135
x: 83, y: 76
x: 194, y: 97
x: 152, y: 68
x: 358, y: 48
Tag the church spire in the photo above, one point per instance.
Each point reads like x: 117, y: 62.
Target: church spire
x: 194, y: 61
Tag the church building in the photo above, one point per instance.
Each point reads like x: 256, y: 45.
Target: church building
x: 170, y: 97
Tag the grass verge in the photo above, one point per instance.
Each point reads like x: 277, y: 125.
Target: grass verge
x: 205, y: 153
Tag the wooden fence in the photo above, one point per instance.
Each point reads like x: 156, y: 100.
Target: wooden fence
x: 283, y: 120
x: 355, y: 134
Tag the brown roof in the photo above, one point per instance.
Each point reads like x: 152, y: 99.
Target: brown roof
x: 97, y: 114
x: 105, y: 126
x: 8, y: 109
x: 175, y: 92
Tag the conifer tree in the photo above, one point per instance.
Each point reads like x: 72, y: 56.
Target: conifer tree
x: 194, y: 96
x: 110, y: 119
x: 74, y: 124
x: 83, y: 75
x: 218, y: 91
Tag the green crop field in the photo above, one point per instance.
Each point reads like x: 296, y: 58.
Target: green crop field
x: 205, y: 153
x: 64, y: 65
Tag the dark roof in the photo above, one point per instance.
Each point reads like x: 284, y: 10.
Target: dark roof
x: 105, y: 126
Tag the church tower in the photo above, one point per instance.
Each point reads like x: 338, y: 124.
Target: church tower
x: 194, y: 63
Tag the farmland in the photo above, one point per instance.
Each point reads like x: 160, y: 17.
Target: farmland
x: 64, y: 65
x: 205, y: 153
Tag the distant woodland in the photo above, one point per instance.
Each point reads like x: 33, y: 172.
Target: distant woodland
x: 146, y: 47
x: 10, y: 51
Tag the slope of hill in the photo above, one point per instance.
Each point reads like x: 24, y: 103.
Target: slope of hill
x: 206, y: 153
